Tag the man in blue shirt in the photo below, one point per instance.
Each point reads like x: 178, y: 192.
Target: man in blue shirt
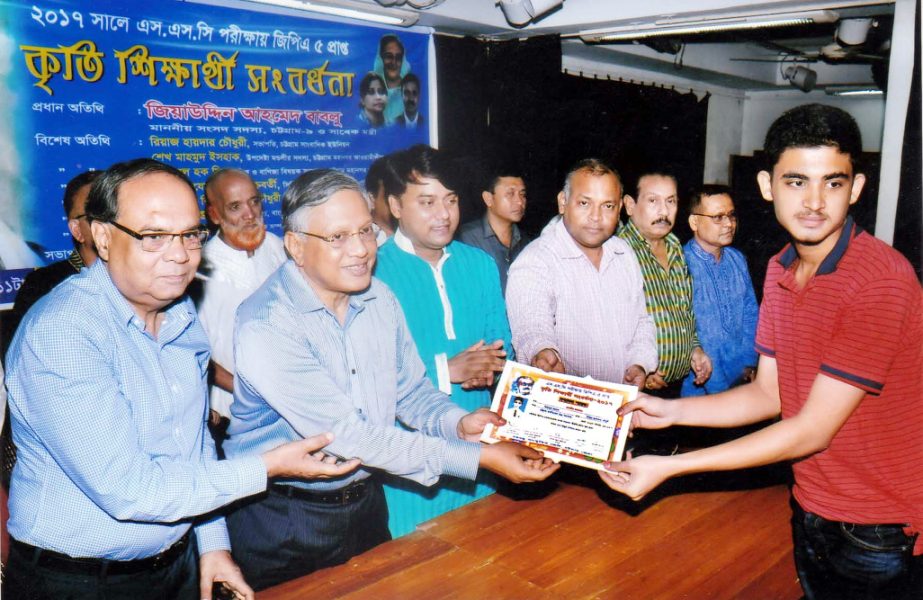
x: 322, y: 346
x: 108, y: 401
x: 725, y: 306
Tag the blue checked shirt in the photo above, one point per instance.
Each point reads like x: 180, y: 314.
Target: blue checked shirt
x: 114, y: 458
x: 300, y: 373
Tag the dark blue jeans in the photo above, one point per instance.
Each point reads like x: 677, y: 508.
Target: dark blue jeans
x: 26, y: 580
x: 844, y: 561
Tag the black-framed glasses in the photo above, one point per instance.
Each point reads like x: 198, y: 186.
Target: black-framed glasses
x: 719, y: 219
x: 155, y: 241
x: 338, y: 240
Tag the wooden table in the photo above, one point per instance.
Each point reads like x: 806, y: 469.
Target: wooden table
x: 581, y: 541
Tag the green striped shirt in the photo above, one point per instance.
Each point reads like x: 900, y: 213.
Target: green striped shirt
x: 668, y: 294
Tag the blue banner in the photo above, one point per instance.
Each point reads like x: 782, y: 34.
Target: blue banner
x: 90, y: 83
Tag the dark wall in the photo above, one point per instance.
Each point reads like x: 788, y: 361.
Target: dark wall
x: 509, y: 103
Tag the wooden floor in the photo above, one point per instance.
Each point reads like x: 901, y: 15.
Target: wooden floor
x: 581, y: 541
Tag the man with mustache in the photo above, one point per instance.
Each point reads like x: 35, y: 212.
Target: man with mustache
x: 840, y: 361
x: 722, y: 294
x: 450, y: 293
x: 497, y: 232
x: 667, y: 284
x: 237, y: 261
x: 324, y: 346
x: 575, y: 295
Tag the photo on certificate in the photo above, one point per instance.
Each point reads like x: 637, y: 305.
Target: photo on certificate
x: 571, y: 419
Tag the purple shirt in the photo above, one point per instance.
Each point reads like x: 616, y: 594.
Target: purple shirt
x: 595, y: 319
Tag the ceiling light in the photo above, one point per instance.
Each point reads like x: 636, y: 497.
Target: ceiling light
x: 349, y: 10
x: 521, y: 12
x: 675, y: 27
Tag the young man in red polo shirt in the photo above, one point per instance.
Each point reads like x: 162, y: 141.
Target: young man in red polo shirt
x: 840, y: 339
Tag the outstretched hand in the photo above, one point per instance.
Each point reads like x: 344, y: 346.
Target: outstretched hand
x: 305, y: 460
x: 650, y: 412
x: 516, y: 462
x: 635, y: 477
x: 472, y: 425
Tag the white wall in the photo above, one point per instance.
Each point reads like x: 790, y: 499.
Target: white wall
x: 760, y: 109
x: 723, y: 135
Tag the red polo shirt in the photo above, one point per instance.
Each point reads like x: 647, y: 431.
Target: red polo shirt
x: 858, y: 320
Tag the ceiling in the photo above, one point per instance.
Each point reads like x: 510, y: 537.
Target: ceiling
x: 711, y: 60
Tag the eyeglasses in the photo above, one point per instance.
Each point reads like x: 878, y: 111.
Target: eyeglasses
x: 159, y: 240
x: 338, y: 240
x: 719, y: 219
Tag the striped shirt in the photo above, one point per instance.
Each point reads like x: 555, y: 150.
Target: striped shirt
x: 668, y: 294
x: 114, y: 457
x: 858, y: 320
x: 594, y: 318
x: 299, y: 373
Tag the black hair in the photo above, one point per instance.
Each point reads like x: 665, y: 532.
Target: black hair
x: 103, y: 201
x: 812, y: 126
x: 410, y: 78
x: 409, y: 165
x: 387, y: 39
x: 366, y: 82
x: 709, y: 189
x: 74, y: 185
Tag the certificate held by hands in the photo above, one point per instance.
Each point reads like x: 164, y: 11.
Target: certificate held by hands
x: 571, y: 419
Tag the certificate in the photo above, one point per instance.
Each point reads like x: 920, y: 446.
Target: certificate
x: 571, y: 419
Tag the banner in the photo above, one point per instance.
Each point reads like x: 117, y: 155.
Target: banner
x: 84, y: 84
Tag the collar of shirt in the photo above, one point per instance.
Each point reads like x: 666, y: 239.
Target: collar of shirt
x: 177, y: 316
x: 567, y: 247
x: 695, y: 248
x: 305, y: 299
x: 830, y: 262
x: 410, y: 121
x: 632, y: 235
x: 76, y: 261
x: 489, y: 232
x: 404, y: 243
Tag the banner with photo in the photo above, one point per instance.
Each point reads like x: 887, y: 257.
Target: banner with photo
x: 87, y: 83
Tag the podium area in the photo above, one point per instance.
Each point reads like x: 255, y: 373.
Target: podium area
x: 712, y: 536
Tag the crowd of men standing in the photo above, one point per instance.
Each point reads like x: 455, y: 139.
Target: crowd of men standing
x: 347, y: 407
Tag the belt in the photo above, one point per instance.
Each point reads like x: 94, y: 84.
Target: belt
x: 346, y: 495
x: 99, y: 567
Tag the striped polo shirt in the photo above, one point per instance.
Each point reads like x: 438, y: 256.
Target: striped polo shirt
x: 668, y: 294
x: 858, y: 320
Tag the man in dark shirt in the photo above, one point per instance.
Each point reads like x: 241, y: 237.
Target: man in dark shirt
x: 497, y: 232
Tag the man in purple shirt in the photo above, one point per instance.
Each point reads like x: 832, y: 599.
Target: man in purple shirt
x: 575, y: 296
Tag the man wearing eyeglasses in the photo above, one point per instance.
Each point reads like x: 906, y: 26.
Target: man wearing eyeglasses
x: 667, y: 285
x: 324, y: 346
x: 108, y: 402
x: 725, y: 305
x: 236, y: 261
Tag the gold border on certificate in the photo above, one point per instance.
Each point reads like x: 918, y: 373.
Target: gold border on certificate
x: 571, y: 419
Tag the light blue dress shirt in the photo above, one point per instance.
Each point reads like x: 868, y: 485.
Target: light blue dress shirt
x: 114, y: 457
x: 299, y: 372
x: 726, y: 313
